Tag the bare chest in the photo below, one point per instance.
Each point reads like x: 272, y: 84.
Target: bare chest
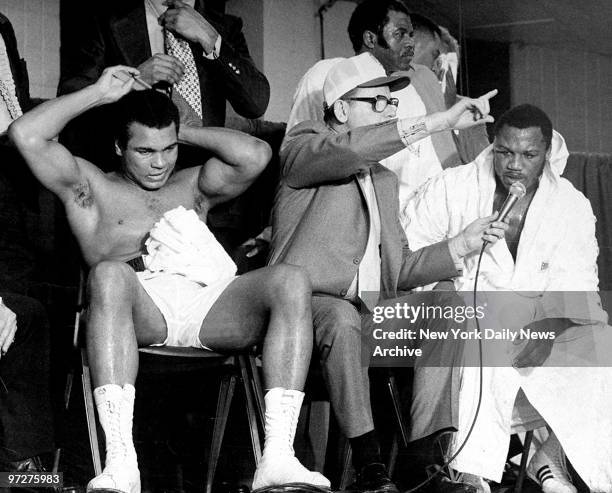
x: 126, y: 215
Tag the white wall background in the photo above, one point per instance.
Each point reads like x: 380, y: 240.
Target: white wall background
x: 292, y: 45
x: 283, y: 35
x: 36, y: 24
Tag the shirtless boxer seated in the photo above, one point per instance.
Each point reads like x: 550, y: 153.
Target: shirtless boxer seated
x: 111, y: 216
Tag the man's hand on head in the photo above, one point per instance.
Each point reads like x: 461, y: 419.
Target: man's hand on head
x: 184, y: 20
x: 161, y: 68
x: 469, y: 112
x: 8, y: 328
x: 115, y: 82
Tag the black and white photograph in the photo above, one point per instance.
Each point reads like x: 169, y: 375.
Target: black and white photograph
x: 305, y: 246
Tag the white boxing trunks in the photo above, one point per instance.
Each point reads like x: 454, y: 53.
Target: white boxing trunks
x: 183, y: 303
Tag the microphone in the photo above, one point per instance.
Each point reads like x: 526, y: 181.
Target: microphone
x: 517, y: 191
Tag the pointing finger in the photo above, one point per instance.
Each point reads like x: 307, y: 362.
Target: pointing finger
x: 489, y: 95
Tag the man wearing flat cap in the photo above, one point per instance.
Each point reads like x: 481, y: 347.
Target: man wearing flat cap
x: 336, y: 215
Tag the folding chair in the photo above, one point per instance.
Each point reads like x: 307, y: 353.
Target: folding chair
x: 241, y: 365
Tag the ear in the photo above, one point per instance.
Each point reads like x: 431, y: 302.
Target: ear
x: 370, y: 39
x: 548, y: 153
x: 341, y: 110
x: 118, y: 150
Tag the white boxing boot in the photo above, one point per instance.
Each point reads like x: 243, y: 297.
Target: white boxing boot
x: 547, y: 468
x: 115, y: 407
x: 279, y: 464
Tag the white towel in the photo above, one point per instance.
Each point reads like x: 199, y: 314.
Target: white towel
x: 180, y: 243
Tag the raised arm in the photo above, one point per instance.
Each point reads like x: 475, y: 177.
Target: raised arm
x: 313, y: 153
x: 239, y: 159
x: 35, y: 132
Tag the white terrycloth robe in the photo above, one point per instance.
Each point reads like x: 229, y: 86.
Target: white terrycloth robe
x: 557, y: 252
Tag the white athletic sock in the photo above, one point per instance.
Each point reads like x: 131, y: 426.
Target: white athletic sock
x: 549, y: 469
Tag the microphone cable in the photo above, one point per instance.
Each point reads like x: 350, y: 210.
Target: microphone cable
x: 480, y: 385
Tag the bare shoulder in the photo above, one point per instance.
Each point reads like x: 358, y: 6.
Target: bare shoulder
x: 186, y: 179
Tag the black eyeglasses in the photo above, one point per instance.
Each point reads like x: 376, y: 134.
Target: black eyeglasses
x: 379, y: 103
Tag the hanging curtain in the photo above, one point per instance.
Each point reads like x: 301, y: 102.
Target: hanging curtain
x: 592, y: 174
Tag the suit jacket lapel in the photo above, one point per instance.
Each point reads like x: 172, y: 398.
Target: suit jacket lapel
x: 128, y: 32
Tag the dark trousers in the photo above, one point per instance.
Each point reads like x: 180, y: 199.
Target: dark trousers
x: 340, y: 334
x: 26, y: 423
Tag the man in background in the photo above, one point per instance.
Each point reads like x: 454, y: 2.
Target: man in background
x: 436, y: 49
x: 383, y: 28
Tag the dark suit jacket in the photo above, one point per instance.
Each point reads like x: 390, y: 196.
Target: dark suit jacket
x: 116, y: 33
x: 320, y: 218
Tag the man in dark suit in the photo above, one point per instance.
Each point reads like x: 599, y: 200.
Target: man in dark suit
x: 122, y: 33
x: 336, y: 215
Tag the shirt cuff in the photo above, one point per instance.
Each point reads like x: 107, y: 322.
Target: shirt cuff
x: 408, y: 129
x: 214, y: 54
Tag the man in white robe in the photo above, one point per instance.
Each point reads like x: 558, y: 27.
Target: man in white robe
x: 550, y: 251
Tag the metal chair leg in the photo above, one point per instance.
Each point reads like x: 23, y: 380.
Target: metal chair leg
x: 251, y: 411
x: 346, y: 464
x: 393, y: 454
x: 90, y: 412
x: 224, y: 402
x: 518, y: 487
x: 397, y: 408
x: 257, y: 389
x: 56, y: 460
